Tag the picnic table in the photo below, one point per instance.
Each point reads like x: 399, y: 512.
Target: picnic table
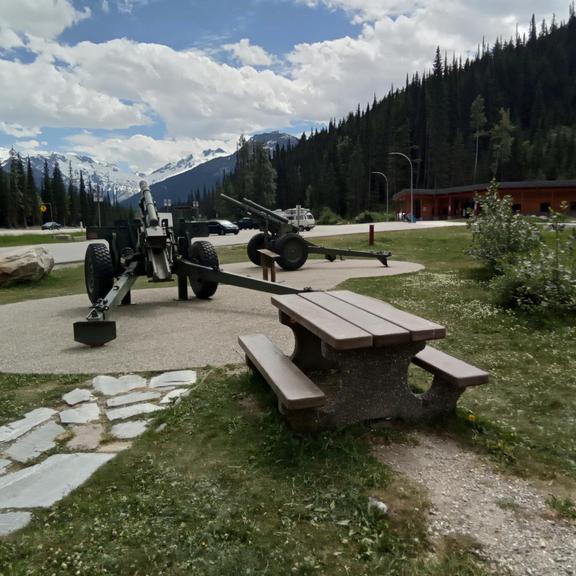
x: 351, y: 361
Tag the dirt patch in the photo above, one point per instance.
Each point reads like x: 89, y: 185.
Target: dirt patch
x: 507, y: 517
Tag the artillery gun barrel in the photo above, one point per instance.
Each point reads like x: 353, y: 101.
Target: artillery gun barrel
x: 247, y: 209
x: 267, y: 211
x: 149, y: 212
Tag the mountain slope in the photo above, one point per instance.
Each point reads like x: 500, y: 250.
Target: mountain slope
x: 207, y: 175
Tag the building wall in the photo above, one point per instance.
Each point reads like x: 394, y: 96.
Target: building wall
x: 526, y: 201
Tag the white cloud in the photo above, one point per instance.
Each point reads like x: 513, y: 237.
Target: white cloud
x: 42, y: 94
x: 249, y: 54
x: 105, y: 6
x: 143, y: 153
x: 192, y: 93
x: 123, y: 83
x: 18, y: 131
x: 41, y: 18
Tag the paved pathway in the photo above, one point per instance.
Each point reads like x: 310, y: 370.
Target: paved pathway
x: 158, y: 332
x: 98, y: 423
x: 71, y: 252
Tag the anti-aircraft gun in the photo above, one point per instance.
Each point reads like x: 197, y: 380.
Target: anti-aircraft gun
x: 154, y: 248
x: 279, y: 235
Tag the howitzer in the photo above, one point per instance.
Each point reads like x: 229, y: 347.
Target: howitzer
x: 280, y: 236
x: 154, y: 248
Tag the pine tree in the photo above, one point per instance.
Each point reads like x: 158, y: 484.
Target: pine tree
x: 32, y: 197
x: 59, y: 194
x: 73, y: 201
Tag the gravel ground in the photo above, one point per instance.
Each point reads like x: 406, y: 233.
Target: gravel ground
x: 157, y: 332
x: 508, y: 517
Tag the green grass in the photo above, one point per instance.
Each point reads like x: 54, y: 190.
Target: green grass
x: 226, y: 489
x: 526, y: 415
x: 20, y: 393
x: 29, y: 239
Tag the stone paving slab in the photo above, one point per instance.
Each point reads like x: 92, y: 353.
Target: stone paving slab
x: 132, y: 398
x: 178, y: 378
x: 44, y: 484
x: 4, y: 465
x: 86, y: 437
x: 175, y: 394
x: 128, y: 430
x: 77, y: 396
x: 111, y: 386
x: 133, y: 410
x: 114, y: 447
x: 81, y: 415
x: 12, y: 521
x: 35, y: 443
x: 32, y: 419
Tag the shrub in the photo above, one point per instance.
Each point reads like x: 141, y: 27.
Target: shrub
x: 328, y: 216
x: 545, y: 279
x: 499, y: 236
x: 367, y: 216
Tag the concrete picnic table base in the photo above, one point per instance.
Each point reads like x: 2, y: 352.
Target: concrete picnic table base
x: 366, y: 384
x: 157, y: 332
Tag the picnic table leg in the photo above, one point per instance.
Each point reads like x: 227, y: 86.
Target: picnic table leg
x: 373, y: 385
x: 307, y: 353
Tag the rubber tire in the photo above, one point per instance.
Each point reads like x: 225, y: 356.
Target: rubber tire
x: 204, y: 254
x: 98, y: 271
x: 257, y: 242
x: 293, y: 251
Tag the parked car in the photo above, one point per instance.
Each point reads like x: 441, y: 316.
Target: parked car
x: 222, y: 227
x: 247, y: 223
x: 51, y: 226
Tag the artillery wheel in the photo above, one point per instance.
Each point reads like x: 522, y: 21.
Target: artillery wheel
x: 98, y: 271
x: 204, y: 254
x: 257, y: 242
x: 293, y: 251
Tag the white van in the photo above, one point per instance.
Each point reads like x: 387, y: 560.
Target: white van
x: 300, y: 217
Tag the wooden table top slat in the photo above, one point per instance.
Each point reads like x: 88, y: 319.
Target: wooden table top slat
x: 335, y: 331
x: 420, y: 328
x: 384, y: 333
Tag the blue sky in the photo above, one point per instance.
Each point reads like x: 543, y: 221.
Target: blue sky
x: 144, y: 82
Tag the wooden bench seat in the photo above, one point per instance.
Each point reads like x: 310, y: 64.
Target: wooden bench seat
x: 450, y: 369
x: 294, y: 389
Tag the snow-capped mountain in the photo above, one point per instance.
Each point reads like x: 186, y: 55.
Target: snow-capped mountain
x: 111, y: 179
x: 194, y: 171
x: 191, y: 161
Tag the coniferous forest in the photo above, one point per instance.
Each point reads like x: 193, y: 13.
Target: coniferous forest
x: 68, y: 203
x: 509, y: 112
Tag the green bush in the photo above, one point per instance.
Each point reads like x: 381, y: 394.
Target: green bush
x: 328, y: 216
x: 544, y: 279
x: 499, y: 236
x: 367, y: 216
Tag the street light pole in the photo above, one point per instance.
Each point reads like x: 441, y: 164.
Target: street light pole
x: 411, y: 181
x: 385, y: 178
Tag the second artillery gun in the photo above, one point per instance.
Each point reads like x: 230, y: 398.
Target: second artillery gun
x: 279, y: 235
x: 153, y: 248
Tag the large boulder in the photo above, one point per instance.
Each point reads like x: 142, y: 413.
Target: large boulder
x: 26, y: 265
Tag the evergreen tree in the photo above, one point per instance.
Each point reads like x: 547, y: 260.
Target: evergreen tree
x: 60, y: 205
x: 73, y: 200
x: 32, y: 198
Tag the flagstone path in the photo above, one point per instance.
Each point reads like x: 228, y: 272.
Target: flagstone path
x: 48, y: 453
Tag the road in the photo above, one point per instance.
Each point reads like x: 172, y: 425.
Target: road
x: 72, y: 252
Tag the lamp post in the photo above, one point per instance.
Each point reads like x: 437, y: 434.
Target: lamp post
x: 385, y: 178
x: 411, y: 181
